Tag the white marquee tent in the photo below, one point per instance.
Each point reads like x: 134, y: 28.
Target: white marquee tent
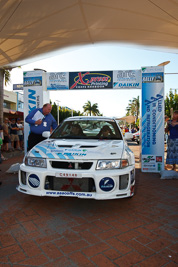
x: 30, y: 29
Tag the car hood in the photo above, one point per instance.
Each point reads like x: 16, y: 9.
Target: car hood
x: 78, y: 149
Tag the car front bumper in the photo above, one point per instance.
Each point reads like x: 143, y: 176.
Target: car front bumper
x: 106, y: 184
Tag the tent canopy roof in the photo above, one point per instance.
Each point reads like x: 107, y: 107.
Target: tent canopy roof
x: 30, y: 29
x: 129, y: 119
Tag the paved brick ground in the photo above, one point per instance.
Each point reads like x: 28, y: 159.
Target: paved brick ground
x: 44, y: 231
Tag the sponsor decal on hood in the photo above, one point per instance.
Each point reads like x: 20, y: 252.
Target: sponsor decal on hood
x: 53, y: 149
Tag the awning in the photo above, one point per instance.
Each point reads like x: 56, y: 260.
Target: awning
x: 33, y: 30
x: 129, y: 119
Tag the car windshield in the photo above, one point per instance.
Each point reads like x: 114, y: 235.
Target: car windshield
x: 87, y: 129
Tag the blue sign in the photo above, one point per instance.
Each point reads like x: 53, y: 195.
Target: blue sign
x: 152, y: 118
x: 18, y: 86
x: 107, y: 184
x: 32, y: 81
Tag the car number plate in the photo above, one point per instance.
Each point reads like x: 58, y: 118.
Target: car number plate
x: 68, y: 175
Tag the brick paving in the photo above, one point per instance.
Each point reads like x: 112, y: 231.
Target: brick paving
x: 43, y: 231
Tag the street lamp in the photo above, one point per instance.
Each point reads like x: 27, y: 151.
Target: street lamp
x: 58, y: 111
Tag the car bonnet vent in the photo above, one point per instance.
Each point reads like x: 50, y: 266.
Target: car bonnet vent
x: 88, y: 146
x: 65, y: 146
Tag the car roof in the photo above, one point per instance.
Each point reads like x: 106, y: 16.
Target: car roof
x: 89, y: 118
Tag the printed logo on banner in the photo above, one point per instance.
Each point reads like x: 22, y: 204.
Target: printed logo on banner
x: 153, y: 78
x: 32, y: 81
x: 57, y: 80
x: 127, y: 79
x: 90, y: 80
x: 158, y: 159
x: 148, y: 158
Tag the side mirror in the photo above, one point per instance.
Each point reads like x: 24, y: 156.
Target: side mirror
x: 128, y: 136
x: 46, y: 134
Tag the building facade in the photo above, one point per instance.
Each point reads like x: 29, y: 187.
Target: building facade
x: 13, y: 105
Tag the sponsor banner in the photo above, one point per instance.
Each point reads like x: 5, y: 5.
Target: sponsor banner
x: 91, y: 80
x: 33, y: 97
x: 18, y: 86
x: 152, y: 119
x: 127, y: 79
x: 57, y: 80
x: 119, y: 79
x: 30, y: 80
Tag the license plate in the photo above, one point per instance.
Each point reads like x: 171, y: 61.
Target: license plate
x: 68, y: 175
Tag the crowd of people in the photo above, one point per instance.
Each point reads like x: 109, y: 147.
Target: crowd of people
x: 171, y: 129
x: 11, y: 136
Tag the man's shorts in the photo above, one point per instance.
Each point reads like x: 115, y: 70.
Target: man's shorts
x: 14, y: 137
x: 6, y: 139
x: 20, y: 137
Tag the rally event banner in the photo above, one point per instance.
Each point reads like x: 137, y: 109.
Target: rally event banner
x: 57, y: 80
x: 90, y: 80
x: 33, y: 96
x: 117, y: 79
x: 127, y: 79
x: 152, y: 155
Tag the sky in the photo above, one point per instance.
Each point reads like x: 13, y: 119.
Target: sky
x: 101, y: 57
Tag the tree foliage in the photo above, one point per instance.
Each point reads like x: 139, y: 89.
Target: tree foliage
x: 171, y: 101
x: 134, y: 107
x: 63, y: 112
x: 90, y: 109
x: 4, y: 78
x: 7, y: 77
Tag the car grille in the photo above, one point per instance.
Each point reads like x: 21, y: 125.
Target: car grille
x: 70, y: 184
x: 123, y: 181
x: 71, y: 165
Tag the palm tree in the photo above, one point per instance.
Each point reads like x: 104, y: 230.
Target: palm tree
x: 91, y: 109
x: 4, y: 77
x: 134, y: 107
x: 171, y: 101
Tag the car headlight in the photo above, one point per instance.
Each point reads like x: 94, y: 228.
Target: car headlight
x: 35, y: 162
x: 112, y: 164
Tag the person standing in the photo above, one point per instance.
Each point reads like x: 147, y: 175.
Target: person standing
x: 0, y: 154
x: 172, y: 149
x: 40, y: 120
x: 14, y: 137
x: 6, y: 134
x: 20, y: 132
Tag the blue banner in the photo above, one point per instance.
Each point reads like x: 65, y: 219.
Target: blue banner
x: 152, y: 119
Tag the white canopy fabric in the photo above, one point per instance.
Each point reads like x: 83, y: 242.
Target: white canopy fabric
x: 30, y: 29
x: 129, y: 119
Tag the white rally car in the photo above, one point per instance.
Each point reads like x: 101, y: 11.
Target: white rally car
x: 85, y: 157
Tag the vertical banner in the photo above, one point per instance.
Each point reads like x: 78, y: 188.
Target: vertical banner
x: 152, y: 126
x: 34, y: 85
